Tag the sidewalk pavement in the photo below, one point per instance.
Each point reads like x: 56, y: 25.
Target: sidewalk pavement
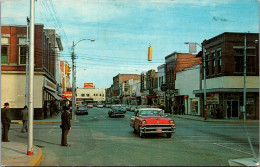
x: 15, y: 153
x: 200, y: 118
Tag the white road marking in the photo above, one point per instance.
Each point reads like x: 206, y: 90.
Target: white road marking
x: 232, y: 149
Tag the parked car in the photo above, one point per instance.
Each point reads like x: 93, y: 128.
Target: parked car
x: 82, y: 110
x: 117, y: 111
x: 90, y: 105
x: 128, y: 107
x: 100, y: 106
x: 152, y: 120
x: 133, y: 108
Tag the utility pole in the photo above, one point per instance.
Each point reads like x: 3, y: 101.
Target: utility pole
x: 205, y: 93
x: 27, y: 62
x: 244, y: 95
x: 73, y: 83
x: 31, y: 74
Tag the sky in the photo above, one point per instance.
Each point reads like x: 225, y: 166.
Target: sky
x: 124, y: 29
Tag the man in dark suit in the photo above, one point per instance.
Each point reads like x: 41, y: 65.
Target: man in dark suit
x: 6, y: 121
x: 65, y: 125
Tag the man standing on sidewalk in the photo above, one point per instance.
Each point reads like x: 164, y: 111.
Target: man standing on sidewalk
x: 65, y: 125
x: 6, y: 121
x: 25, y: 119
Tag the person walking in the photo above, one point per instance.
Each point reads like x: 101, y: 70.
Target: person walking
x: 6, y: 121
x: 25, y: 119
x: 65, y: 125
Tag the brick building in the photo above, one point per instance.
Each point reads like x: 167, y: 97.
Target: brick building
x: 117, y: 80
x: 224, y: 75
x: 174, y: 63
x: 13, y: 59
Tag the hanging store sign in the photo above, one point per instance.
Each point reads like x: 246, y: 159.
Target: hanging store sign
x: 50, y: 85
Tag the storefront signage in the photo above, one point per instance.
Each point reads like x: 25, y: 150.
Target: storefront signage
x: 212, y: 98
x: 67, y: 94
x: 50, y: 85
x: 88, y: 85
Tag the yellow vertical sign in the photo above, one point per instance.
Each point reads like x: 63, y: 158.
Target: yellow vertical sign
x: 150, y: 53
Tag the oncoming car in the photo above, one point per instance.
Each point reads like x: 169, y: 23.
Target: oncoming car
x: 117, y: 111
x: 82, y: 110
x: 152, y: 120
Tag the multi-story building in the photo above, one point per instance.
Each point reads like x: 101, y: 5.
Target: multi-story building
x: 151, y: 87
x: 13, y: 70
x: 90, y: 95
x: 117, y: 80
x: 225, y: 74
x: 174, y: 63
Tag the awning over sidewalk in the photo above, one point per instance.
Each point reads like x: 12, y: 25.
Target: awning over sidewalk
x: 54, y: 95
x: 217, y: 90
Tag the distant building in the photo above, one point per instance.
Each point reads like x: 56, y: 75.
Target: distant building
x: 117, y: 80
x: 90, y: 95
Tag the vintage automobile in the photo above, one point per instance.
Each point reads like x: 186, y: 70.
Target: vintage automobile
x: 152, y: 120
x: 82, y: 110
x: 90, y: 105
x: 117, y: 111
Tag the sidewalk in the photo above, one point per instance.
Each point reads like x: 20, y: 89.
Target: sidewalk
x: 14, y: 153
x: 200, y: 118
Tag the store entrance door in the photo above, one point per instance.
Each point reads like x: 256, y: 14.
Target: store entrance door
x: 232, y: 109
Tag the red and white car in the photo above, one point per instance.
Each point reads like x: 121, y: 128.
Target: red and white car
x: 152, y: 120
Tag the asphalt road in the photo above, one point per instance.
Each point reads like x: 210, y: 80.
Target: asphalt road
x: 97, y: 140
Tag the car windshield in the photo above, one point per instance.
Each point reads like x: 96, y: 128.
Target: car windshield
x: 81, y: 108
x: 151, y: 113
x: 115, y: 107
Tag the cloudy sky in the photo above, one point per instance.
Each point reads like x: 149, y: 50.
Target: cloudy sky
x: 123, y: 29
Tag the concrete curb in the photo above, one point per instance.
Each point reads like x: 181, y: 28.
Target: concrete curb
x: 37, y: 159
x: 216, y: 121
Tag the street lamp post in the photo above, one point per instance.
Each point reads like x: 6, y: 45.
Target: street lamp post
x: 74, y: 77
x: 204, y: 78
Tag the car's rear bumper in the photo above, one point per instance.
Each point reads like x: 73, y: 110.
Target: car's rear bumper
x: 168, y: 129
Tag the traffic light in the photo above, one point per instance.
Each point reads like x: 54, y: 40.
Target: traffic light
x: 150, y: 53
x: 67, y: 69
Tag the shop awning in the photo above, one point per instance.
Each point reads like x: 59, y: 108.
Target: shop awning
x: 55, y: 95
x: 232, y: 90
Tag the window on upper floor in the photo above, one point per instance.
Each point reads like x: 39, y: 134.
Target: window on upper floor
x: 219, y: 61
x: 87, y: 95
x: 207, y: 64
x: 4, y: 54
x: 213, y: 63
x: 250, y: 60
x: 22, y: 54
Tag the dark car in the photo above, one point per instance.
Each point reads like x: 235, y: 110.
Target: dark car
x: 82, y: 110
x: 117, y: 111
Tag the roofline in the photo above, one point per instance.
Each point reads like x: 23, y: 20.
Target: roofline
x: 15, y: 25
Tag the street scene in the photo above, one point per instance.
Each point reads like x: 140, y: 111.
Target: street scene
x: 98, y: 140
x: 129, y: 83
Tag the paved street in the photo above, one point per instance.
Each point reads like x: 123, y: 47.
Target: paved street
x: 99, y: 140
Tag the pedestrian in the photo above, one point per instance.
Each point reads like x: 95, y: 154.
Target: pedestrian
x: 6, y: 121
x: 182, y: 109
x: 65, y: 125
x: 25, y: 119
